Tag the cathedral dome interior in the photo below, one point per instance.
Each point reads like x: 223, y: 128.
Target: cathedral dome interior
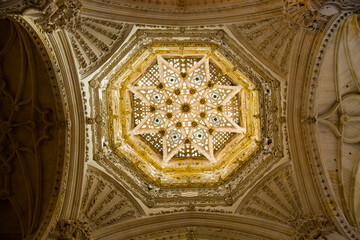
x: 179, y: 119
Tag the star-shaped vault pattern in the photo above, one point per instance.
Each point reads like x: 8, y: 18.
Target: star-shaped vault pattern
x: 186, y: 108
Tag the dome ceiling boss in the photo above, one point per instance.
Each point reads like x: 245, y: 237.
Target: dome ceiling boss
x: 187, y: 108
x: 185, y: 116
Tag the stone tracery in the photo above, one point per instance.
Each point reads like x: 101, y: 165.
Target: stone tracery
x: 187, y: 108
x: 139, y: 111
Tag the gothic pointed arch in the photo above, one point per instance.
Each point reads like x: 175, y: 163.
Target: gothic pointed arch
x: 33, y: 121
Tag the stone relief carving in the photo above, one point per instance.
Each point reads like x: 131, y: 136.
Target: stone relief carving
x: 61, y: 14
x: 313, y: 227
x: 71, y: 230
x: 304, y: 12
x: 49, y: 15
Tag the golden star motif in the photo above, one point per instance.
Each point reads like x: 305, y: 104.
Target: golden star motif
x: 186, y: 108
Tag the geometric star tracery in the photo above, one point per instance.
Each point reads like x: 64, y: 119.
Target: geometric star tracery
x: 186, y: 108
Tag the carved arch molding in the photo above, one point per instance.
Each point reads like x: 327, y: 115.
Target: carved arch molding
x: 32, y: 134
x: 334, y: 123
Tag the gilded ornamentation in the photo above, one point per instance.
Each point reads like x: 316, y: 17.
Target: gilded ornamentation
x: 184, y: 109
x: 126, y: 163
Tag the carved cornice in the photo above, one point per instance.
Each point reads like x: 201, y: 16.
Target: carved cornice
x: 199, y: 232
